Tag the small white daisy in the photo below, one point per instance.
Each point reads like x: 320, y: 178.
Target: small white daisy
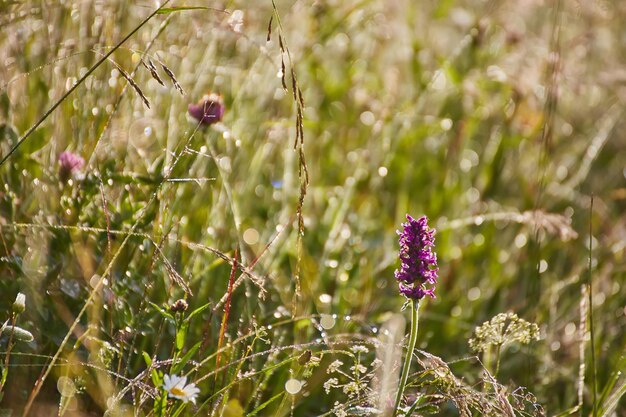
x: 176, y: 388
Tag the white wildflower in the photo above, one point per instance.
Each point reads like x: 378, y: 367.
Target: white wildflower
x: 339, y: 410
x: 359, y: 349
x: 351, y: 388
x: 330, y: 383
x: 333, y: 367
x: 176, y: 388
x: 358, y: 369
x: 19, y: 305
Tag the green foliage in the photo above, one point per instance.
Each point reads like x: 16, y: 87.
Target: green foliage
x: 440, y: 108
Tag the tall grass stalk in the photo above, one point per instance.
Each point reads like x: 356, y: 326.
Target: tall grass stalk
x: 594, y: 382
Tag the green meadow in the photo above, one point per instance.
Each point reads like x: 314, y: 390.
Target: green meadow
x: 201, y: 202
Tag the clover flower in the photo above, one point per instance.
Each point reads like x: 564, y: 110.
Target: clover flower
x: 209, y: 110
x: 69, y: 164
x: 176, y: 388
x: 418, y: 262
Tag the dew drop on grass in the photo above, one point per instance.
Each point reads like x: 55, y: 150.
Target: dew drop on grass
x: 473, y: 294
x: 147, y: 131
x: 66, y: 386
x: 293, y: 386
x: 327, y: 321
x: 367, y: 118
x: 520, y: 240
x: 325, y: 298
x: 94, y: 281
x: 479, y: 239
x: 332, y: 263
x: 251, y: 236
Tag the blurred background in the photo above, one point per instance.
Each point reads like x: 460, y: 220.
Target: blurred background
x: 498, y: 120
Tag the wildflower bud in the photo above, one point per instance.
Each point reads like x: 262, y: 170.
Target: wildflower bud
x: 305, y: 357
x: 179, y: 306
x: 209, y: 110
x: 69, y: 164
x: 19, y: 305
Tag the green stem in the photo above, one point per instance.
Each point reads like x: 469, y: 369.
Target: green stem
x: 409, y: 355
x: 495, y: 375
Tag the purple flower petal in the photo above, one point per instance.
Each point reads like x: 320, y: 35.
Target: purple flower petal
x: 69, y: 164
x: 209, y: 110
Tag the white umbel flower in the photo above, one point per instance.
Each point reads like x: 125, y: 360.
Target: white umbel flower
x: 176, y: 388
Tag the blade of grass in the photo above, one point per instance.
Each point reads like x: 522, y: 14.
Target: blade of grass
x: 167, y: 10
x: 231, y: 281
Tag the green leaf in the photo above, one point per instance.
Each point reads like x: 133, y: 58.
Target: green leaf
x: 162, y: 311
x: 610, y: 405
x: 147, y: 359
x: 5, y: 373
x: 568, y: 412
x: 265, y: 404
x: 419, y: 401
x: 18, y: 333
x: 197, y: 311
x: 181, y: 335
x: 177, y: 367
x: 157, y: 378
